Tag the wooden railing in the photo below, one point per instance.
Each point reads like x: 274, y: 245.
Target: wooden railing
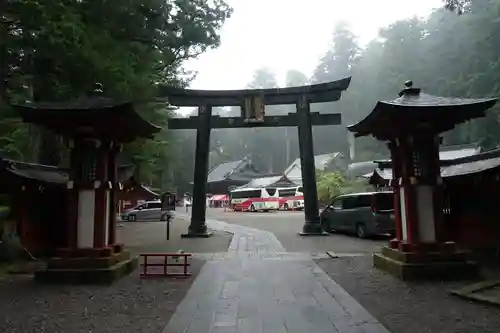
x: 165, y: 263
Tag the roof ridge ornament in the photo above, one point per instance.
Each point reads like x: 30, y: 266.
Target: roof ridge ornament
x: 98, y: 89
x: 409, y: 90
x: 97, y: 93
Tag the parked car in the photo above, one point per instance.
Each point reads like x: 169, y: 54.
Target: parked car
x: 150, y: 210
x: 364, y: 214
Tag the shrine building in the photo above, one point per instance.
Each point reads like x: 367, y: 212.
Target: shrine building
x: 38, y: 200
x: 471, y: 189
x: 95, y: 128
x: 411, y: 125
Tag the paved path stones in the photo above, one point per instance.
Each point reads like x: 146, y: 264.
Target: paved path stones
x: 257, y: 287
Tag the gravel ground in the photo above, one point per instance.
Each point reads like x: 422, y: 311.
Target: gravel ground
x: 410, y: 307
x: 130, y: 305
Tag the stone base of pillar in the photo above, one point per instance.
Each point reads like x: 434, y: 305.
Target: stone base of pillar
x: 88, y: 266
x: 431, y: 261
x: 197, y: 231
x: 313, y: 229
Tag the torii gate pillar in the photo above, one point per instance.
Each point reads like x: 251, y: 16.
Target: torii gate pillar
x: 198, y: 225
x: 252, y: 103
x: 312, y: 225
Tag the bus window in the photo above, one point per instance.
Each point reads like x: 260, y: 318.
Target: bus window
x: 289, y: 192
x: 271, y: 191
x: 246, y: 194
x: 254, y: 194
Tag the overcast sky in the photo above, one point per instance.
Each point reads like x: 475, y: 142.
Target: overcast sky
x: 291, y: 34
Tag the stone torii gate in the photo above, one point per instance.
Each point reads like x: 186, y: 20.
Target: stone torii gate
x: 252, y: 103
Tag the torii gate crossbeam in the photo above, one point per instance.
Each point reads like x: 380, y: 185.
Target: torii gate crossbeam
x: 252, y: 103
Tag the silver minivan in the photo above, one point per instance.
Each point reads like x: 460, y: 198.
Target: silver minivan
x: 148, y: 211
x: 363, y: 214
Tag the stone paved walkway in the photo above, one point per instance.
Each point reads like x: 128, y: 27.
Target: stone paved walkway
x: 257, y: 287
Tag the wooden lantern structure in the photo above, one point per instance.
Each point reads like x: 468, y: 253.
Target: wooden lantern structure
x: 95, y: 127
x: 39, y: 203
x: 411, y: 124
x: 471, y: 189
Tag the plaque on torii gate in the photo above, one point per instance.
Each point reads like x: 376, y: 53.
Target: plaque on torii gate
x: 252, y: 103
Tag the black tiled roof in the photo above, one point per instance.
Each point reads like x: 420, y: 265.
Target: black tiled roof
x: 118, y: 121
x: 222, y: 171
x: 51, y: 174
x: 241, y: 170
x: 269, y: 182
x: 413, y: 109
x: 458, y: 167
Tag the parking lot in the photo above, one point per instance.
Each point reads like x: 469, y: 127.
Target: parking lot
x: 286, y: 225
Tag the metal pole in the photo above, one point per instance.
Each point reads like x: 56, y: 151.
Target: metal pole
x: 198, y: 226
x: 312, y: 225
x: 168, y: 228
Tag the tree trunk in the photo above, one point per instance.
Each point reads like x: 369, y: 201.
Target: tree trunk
x: 137, y: 170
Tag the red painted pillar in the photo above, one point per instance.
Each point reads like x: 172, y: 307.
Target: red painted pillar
x: 28, y: 234
x: 438, y: 193
x: 396, y: 174
x: 397, y: 211
x: 113, y: 202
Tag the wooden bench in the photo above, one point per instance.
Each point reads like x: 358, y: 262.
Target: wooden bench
x: 165, y: 264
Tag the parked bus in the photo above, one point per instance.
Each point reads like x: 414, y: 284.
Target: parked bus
x: 253, y: 200
x: 290, y: 198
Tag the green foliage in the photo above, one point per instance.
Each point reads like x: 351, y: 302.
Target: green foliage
x: 329, y: 185
x: 355, y: 186
x: 444, y: 54
x: 458, y: 6
x: 57, y: 50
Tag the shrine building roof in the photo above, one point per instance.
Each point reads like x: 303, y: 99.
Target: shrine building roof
x: 461, y: 166
x: 10, y: 171
x: 414, y: 111
x: 95, y: 115
x: 269, y: 182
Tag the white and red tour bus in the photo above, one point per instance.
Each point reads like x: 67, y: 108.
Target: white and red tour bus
x: 254, y: 199
x: 290, y: 198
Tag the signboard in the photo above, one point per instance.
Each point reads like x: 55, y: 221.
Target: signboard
x: 168, y: 200
x: 254, y: 109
